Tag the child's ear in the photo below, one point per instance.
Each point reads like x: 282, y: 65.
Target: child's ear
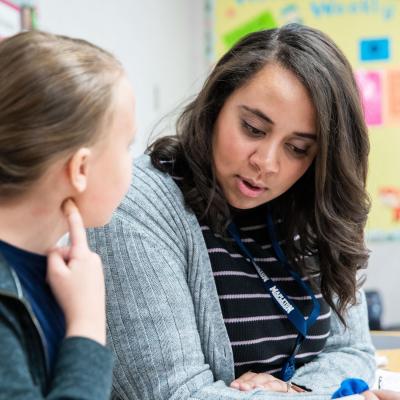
x: 78, y: 169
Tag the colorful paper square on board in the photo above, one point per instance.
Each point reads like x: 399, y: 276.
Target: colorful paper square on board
x: 374, y: 49
x: 370, y: 85
x: 393, y: 96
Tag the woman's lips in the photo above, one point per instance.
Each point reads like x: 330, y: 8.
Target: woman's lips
x: 248, y: 188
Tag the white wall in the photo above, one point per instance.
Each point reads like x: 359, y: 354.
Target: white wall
x: 159, y: 43
x: 383, y: 274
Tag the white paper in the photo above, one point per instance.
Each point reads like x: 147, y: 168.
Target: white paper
x: 387, y: 380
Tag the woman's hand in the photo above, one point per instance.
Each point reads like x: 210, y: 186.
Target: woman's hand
x: 251, y: 380
x: 381, y: 395
x: 75, y: 275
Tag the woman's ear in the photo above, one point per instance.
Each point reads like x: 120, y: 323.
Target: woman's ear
x: 78, y: 169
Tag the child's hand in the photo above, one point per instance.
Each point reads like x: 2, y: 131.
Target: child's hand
x: 75, y: 275
x: 251, y: 380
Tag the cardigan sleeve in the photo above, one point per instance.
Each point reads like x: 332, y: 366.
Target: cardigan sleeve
x: 348, y: 352
x: 152, y: 326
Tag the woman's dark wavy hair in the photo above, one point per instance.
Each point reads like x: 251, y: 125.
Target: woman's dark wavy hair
x: 328, y: 206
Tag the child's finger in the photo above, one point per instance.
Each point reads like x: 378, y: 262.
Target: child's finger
x: 76, y: 228
x: 56, y: 266
x: 63, y: 252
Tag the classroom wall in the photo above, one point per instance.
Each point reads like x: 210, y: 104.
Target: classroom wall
x: 383, y: 274
x: 161, y: 44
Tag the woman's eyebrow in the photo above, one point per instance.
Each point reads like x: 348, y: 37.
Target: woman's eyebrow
x: 260, y: 114
x: 311, y: 136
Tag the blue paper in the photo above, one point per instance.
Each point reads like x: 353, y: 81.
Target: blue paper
x: 374, y: 49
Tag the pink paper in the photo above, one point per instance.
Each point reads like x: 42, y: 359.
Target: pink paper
x: 370, y: 85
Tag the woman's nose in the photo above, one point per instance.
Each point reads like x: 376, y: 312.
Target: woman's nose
x: 267, y: 159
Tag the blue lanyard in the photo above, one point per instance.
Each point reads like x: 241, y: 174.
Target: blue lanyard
x: 301, y: 323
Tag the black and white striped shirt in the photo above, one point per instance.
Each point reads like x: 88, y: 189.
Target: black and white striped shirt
x: 261, y: 335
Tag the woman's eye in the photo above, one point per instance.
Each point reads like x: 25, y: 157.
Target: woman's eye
x: 297, y: 150
x: 252, y: 130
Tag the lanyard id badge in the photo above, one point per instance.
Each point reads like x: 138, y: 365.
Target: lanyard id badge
x: 300, y: 322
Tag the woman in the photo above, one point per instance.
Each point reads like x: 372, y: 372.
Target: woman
x: 238, y: 245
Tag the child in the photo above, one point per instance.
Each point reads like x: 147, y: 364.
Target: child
x: 66, y: 125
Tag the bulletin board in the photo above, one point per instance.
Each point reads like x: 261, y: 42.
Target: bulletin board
x: 17, y: 15
x: 368, y: 31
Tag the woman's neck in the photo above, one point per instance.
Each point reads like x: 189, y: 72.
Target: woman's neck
x: 248, y: 216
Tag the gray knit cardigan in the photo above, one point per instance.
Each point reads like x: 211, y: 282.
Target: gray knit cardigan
x: 165, y: 324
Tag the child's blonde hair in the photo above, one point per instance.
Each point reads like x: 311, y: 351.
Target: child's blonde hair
x: 55, y: 96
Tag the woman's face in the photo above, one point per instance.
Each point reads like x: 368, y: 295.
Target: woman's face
x: 264, y: 138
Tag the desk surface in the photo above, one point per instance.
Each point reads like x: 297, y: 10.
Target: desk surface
x: 393, y: 358
x: 388, y: 344
x: 385, y: 333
